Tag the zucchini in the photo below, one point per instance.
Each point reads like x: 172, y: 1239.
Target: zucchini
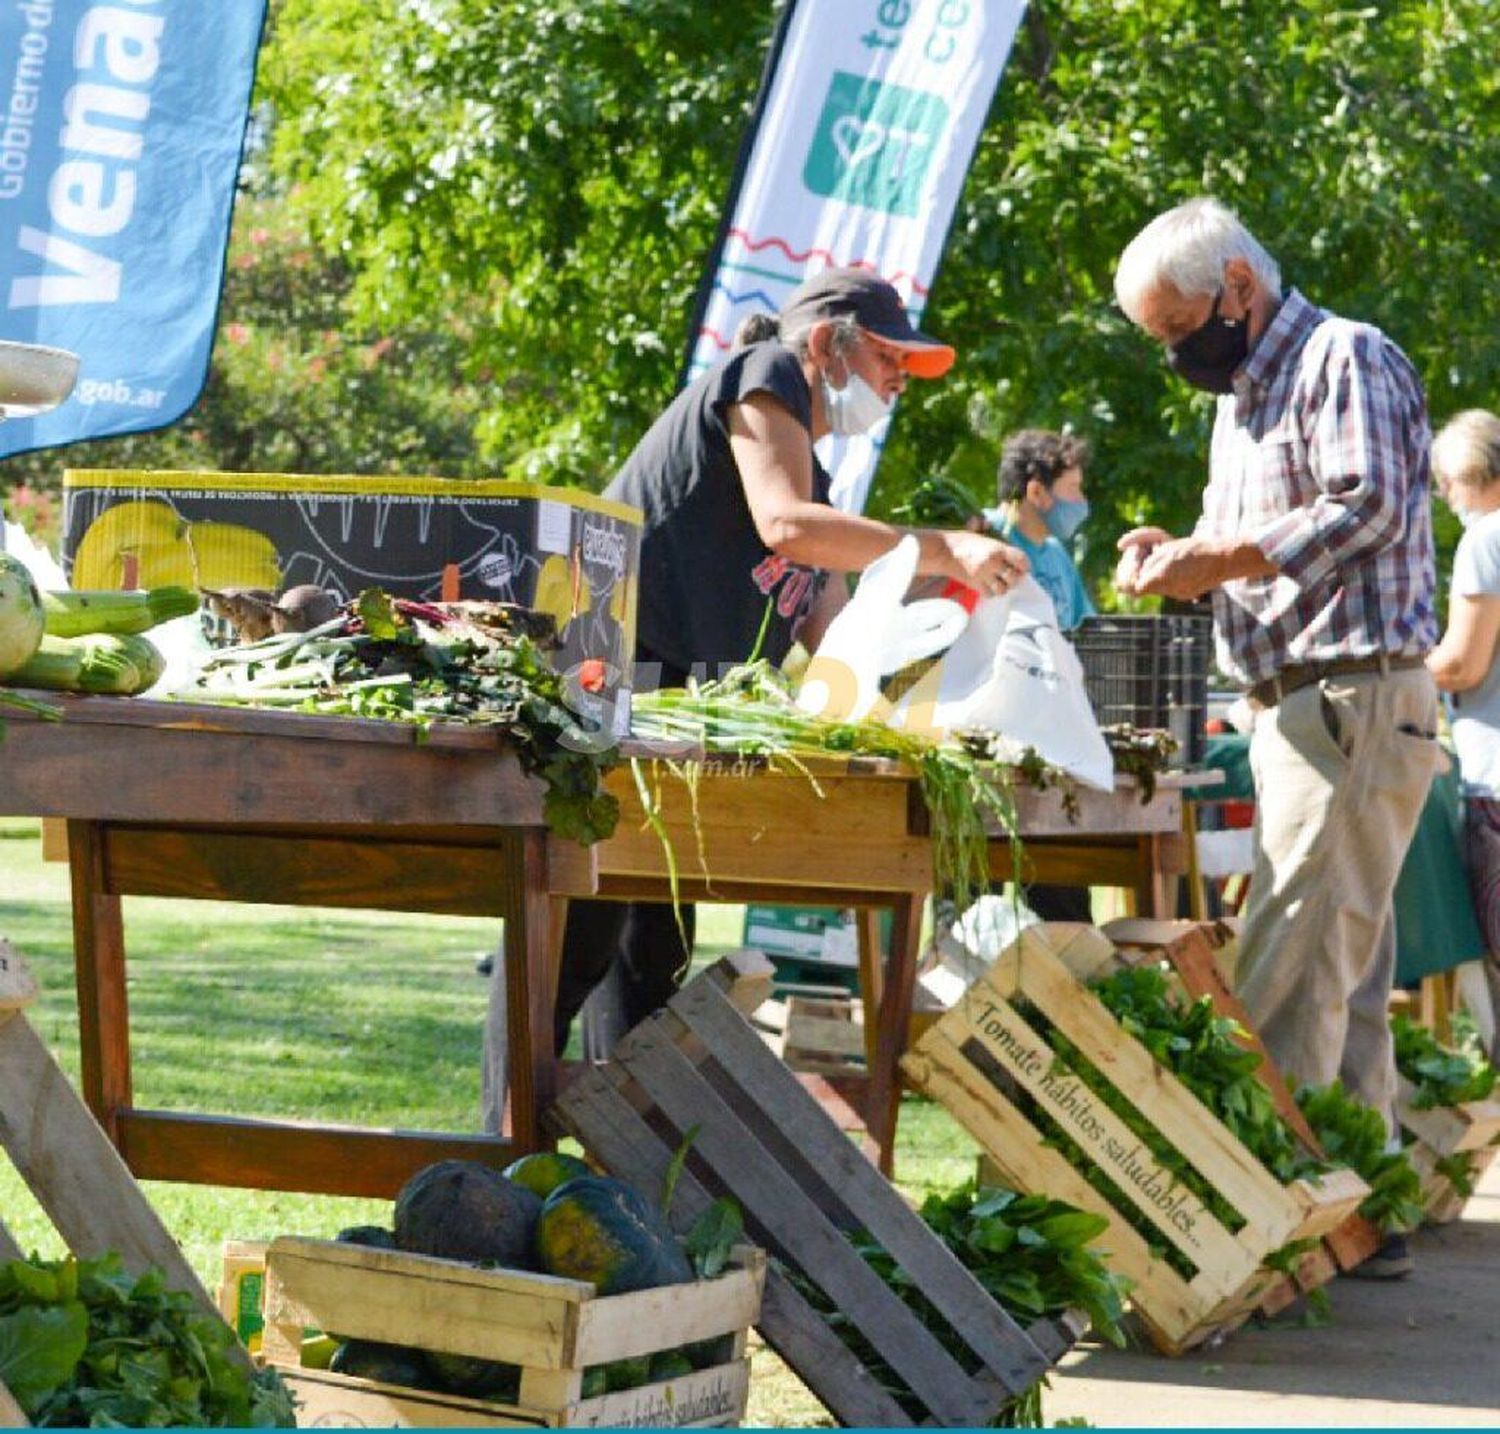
x: 72, y: 614
x: 96, y: 662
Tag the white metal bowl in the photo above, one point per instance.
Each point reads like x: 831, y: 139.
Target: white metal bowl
x: 34, y: 378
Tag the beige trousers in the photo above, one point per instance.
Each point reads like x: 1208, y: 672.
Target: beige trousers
x: 1341, y: 769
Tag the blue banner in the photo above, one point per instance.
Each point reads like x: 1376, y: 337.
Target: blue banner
x: 121, y: 129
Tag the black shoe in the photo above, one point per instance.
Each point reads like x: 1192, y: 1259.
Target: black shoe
x: 1392, y: 1261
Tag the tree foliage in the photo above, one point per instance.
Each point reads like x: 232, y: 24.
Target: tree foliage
x: 554, y: 170
x: 515, y: 201
x: 294, y: 386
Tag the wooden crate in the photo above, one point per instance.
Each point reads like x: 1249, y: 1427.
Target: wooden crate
x: 803, y: 1186
x: 67, y: 1161
x: 824, y: 1035
x: 554, y: 1329
x: 981, y: 1053
x: 242, y: 1278
x: 1472, y: 1129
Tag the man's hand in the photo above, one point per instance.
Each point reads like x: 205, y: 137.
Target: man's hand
x: 1135, y: 547
x: 1186, y: 568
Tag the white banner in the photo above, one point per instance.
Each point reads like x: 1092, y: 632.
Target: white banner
x: 867, y: 128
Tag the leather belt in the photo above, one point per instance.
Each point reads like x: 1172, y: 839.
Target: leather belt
x: 1303, y: 674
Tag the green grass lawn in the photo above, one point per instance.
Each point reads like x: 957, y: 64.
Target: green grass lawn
x: 370, y: 1019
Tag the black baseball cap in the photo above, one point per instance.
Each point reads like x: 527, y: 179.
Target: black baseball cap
x: 876, y: 307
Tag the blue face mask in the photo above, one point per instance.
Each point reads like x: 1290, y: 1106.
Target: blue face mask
x: 1065, y: 517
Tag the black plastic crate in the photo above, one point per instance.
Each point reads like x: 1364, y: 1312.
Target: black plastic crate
x: 1151, y: 671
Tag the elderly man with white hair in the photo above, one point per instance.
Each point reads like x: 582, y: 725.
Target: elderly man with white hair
x: 1316, y: 544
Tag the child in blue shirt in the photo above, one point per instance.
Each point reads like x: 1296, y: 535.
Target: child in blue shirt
x: 1040, y: 487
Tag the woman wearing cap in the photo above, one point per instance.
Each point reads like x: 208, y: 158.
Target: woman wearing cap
x: 739, y: 539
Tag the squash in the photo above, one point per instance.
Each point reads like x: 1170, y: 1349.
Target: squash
x: 21, y: 616
x: 544, y: 1171
x: 387, y: 1363
x: 603, y: 1231
x: 462, y: 1210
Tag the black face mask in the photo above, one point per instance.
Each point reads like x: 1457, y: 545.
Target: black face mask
x: 1208, y: 357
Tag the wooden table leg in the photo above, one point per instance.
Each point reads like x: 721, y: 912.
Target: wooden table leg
x: 530, y: 988
x: 99, y: 964
x: 893, y: 1018
x: 1154, y: 885
x: 871, y: 961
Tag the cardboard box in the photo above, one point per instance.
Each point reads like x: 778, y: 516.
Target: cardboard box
x: 572, y: 554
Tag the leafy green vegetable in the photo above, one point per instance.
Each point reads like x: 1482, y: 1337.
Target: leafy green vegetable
x: 938, y: 502
x: 750, y: 711
x: 714, y: 1235
x: 1442, y: 1077
x: 1198, y: 1046
x: 1027, y: 1251
x: 40, y: 1348
x: 1460, y: 1170
x: 1353, y: 1134
x: 84, y: 1343
x: 400, y: 661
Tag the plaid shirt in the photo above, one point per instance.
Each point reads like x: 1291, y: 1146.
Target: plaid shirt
x: 1321, y: 456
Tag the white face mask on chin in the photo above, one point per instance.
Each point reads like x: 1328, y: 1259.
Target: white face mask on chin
x: 855, y: 408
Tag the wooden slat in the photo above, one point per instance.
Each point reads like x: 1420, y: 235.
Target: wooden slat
x: 114, y: 773
x: 625, y: 1326
x: 398, y: 1298
x: 9, y: 1249
x: 306, y: 870
x: 73, y: 1170
x: 1326, y: 1202
x: 611, y: 1129
x: 274, y: 1155
x: 776, y: 1209
x: 1449, y: 1129
x: 209, y: 718
x: 1353, y: 1241
x: 831, y: 1159
x: 709, y: 1398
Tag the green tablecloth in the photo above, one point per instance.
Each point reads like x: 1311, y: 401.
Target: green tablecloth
x: 1435, y: 925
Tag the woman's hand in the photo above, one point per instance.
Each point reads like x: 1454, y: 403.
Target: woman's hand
x: 983, y: 562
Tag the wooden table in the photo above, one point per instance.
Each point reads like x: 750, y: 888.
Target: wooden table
x: 167, y: 799
x: 856, y: 834
x: 214, y: 803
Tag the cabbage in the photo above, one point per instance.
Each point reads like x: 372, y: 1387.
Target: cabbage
x: 21, y: 618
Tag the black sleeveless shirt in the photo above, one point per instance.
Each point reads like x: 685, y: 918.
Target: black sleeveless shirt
x: 706, y: 576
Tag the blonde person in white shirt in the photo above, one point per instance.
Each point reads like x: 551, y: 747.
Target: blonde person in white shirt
x: 1466, y: 467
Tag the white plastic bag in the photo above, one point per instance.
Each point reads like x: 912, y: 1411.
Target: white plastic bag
x: 1011, y: 671
x: 1005, y: 668
x: 875, y: 635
